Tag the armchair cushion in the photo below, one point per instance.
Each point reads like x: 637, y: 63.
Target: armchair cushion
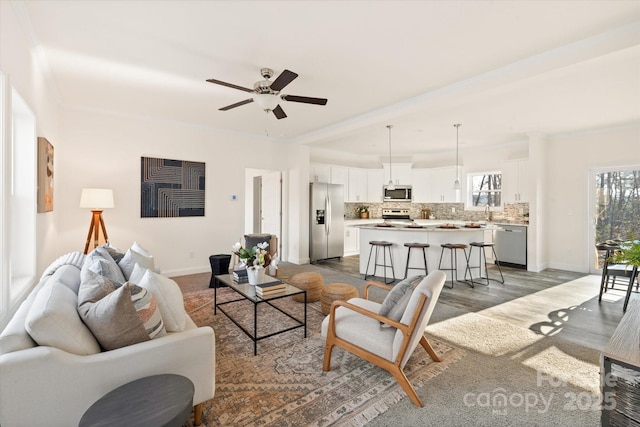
x: 361, y: 330
x: 395, y: 303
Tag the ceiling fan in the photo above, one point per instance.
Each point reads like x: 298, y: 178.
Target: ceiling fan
x: 267, y: 92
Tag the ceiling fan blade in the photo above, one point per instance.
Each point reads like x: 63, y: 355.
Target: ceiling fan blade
x: 283, y: 79
x: 231, y: 85
x: 304, y: 99
x: 279, y: 112
x: 237, y: 104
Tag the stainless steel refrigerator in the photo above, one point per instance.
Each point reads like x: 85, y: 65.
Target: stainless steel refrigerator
x: 326, y: 207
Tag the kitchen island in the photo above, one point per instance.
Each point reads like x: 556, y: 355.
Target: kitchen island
x: 399, y: 233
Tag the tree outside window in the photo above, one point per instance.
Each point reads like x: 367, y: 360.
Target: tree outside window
x: 485, y: 189
x: 617, y: 205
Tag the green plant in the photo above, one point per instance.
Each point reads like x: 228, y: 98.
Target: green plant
x: 362, y: 209
x: 629, y: 253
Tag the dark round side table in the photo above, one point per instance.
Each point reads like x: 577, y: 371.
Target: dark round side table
x: 158, y: 400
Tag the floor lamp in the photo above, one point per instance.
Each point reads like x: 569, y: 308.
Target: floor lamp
x: 96, y: 199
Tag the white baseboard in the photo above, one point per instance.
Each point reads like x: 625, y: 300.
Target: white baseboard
x: 186, y: 271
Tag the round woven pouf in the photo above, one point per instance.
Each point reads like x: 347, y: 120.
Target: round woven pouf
x: 310, y: 282
x: 334, y: 292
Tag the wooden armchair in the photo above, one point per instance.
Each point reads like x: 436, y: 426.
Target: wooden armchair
x: 356, y: 326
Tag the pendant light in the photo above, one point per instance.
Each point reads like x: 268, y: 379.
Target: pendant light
x: 456, y: 184
x: 390, y: 186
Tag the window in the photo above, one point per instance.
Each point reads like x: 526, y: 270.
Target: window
x: 18, y: 195
x: 615, y: 192
x: 485, y: 189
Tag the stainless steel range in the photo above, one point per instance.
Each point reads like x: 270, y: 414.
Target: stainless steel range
x: 398, y: 214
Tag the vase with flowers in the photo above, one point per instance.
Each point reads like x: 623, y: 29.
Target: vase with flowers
x: 255, y: 260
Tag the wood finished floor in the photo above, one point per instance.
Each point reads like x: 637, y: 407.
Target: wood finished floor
x: 552, y: 302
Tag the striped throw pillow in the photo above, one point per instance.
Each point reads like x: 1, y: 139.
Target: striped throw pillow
x: 148, y: 312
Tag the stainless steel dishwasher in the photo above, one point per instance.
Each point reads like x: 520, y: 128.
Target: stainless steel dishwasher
x: 511, y: 246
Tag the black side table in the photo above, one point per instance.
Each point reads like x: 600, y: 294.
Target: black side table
x: 159, y: 400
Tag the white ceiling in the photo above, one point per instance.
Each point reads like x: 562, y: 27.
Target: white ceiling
x: 504, y: 69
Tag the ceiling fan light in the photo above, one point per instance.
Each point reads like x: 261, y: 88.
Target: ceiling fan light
x: 267, y: 101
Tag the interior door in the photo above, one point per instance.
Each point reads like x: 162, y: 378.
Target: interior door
x: 271, y: 204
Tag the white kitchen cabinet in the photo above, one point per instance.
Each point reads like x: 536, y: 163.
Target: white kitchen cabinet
x: 400, y: 173
x: 358, y: 188
x: 319, y: 173
x: 441, y: 184
x: 340, y: 175
x: 375, y: 184
x: 351, y: 241
x: 515, y: 181
x: 421, y: 183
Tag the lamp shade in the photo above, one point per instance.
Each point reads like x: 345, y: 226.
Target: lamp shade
x: 96, y: 198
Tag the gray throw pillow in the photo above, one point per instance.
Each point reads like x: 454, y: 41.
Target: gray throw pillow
x: 118, y: 316
x: 99, y: 261
x: 397, y: 299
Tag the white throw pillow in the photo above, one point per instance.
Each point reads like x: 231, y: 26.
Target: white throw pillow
x: 137, y: 274
x: 136, y: 247
x: 131, y: 258
x: 169, y: 298
x: 53, y: 320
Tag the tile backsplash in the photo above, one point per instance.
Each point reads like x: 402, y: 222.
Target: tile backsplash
x: 515, y: 212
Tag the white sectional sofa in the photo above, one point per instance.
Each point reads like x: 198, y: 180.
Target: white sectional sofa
x: 51, y: 371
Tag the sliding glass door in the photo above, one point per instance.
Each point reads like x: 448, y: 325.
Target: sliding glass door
x: 615, y: 207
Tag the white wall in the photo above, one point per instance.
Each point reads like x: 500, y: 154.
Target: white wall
x: 568, y: 162
x: 21, y: 64
x: 102, y: 150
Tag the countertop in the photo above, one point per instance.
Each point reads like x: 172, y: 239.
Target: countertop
x: 430, y: 222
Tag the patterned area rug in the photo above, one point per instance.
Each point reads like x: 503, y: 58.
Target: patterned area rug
x: 284, y: 385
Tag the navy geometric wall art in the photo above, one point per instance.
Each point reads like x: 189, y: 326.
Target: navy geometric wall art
x: 171, y: 188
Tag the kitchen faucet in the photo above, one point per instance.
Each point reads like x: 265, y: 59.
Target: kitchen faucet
x: 487, y: 212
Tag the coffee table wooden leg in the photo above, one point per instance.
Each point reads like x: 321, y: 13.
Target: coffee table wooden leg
x: 197, y: 414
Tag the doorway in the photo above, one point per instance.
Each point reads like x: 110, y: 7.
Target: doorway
x: 615, y: 208
x: 264, y: 206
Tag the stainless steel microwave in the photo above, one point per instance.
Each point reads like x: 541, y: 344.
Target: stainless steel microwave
x: 398, y: 193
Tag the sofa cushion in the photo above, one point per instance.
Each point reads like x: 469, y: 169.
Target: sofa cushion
x: 99, y: 261
x: 395, y: 303
x: 169, y: 298
x: 67, y: 275
x: 14, y: 336
x: 131, y: 258
x: 118, y: 316
x: 53, y: 321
